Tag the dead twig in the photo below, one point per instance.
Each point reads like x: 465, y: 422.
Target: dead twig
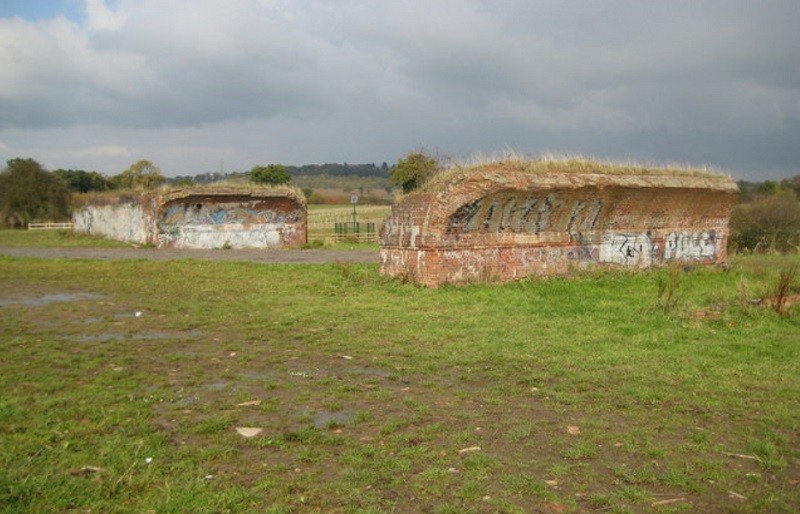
x: 667, y: 502
x: 742, y: 456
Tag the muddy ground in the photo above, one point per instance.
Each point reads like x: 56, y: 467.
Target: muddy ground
x: 267, y: 256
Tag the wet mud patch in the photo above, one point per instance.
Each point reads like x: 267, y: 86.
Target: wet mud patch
x: 47, y: 299
x: 324, y: 419
x: 135, y: 336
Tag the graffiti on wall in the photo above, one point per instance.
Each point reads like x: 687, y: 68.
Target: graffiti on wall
x: 226, y: 214
x: 522, y: 215
x: 690, y: 246
x: 627, y: 249
x: 226, y: 224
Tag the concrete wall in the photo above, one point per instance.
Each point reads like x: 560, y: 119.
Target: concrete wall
x: 200, y: 219
x: 207, y: 222
x: 128, y: 220
x: 503, y: 225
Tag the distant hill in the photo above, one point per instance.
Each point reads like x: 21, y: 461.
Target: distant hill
x: 322, y: 183
x: 306, y: 170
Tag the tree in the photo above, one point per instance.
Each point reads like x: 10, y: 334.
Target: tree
x: 140, y: 175
x: 413, y: 170
x: 81, y: 181
x: 28, y: 193
x: 271, y: 174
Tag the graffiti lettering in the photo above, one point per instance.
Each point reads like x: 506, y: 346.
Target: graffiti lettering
x: 627, y: 249
x: 691, y: 246
x: 522, y: 215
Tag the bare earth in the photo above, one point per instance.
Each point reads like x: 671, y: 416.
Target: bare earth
x: 267, y: 256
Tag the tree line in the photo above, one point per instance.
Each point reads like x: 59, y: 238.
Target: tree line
x: 29, y: 192
x: 767, y: 217
x: 328, y: 169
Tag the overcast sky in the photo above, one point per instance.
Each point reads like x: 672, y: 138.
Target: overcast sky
x: 194, y: 85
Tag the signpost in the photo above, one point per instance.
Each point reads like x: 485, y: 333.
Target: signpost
x: 354, y: 201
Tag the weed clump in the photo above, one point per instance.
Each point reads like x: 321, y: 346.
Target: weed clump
x: 783, y: 287
x: 668, y: 284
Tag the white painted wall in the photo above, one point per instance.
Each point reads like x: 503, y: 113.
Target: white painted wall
x: 124, y: 222
x: 266, y: 235
x: 633, y: 250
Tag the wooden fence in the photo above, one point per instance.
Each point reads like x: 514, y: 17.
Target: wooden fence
x: 336, y: 224
x: 49, y: 226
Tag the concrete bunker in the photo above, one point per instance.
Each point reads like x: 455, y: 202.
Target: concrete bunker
x: 216, y: 217
x: 500, y: 223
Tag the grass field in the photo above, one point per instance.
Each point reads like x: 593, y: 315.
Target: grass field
x: 55, y: 238
x: 124, y: 383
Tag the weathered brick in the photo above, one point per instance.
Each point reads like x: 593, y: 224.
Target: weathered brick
x: 502, y: 225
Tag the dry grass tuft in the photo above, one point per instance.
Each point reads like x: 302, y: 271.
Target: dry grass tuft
x: 115, y: 197
x: 511, y: 161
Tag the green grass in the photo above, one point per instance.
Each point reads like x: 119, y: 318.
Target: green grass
x: 369, y: 388
x: 54, y: 238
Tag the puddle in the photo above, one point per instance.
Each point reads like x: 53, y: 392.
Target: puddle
x: 188, y: 401
x: 87, y: 321
x: 137, y: 336
x: 326, y: 419
x: 49, y: 298
x: 372, y: 372
x: 217, y: 386
x: 268, y: 375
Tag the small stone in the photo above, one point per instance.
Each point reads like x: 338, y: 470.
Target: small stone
x: 85, y: 471
x: 249, y: 431
x: 471, y: 449
x: 574, y: 429
x: 251, y: 403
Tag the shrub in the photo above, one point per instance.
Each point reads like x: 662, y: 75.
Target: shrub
x: 271, y: 175
x: 770, y: 223
x: 413, y: 170
x: 28, y: 193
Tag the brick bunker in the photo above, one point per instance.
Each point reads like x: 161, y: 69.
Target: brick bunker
x: 497, y: 223
x: 230, y: 217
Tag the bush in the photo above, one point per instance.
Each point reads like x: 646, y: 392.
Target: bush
x: 271, y: 175
x: 140, y: 176
x: 413, y: 170
x: 29, y: 193
x: 770, y: 223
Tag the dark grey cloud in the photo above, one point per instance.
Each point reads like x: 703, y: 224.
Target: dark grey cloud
x: 188, y: 84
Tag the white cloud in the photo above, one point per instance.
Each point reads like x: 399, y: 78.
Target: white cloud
x: 102, y: 151
x: 100, y: 17
x: 355, y: 80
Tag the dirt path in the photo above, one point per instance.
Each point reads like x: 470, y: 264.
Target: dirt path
x: 271, y: 256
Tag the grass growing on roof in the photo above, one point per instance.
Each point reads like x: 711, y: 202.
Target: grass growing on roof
x: 549, y: 163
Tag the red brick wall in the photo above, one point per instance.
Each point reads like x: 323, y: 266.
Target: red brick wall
x: 502, y: 232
